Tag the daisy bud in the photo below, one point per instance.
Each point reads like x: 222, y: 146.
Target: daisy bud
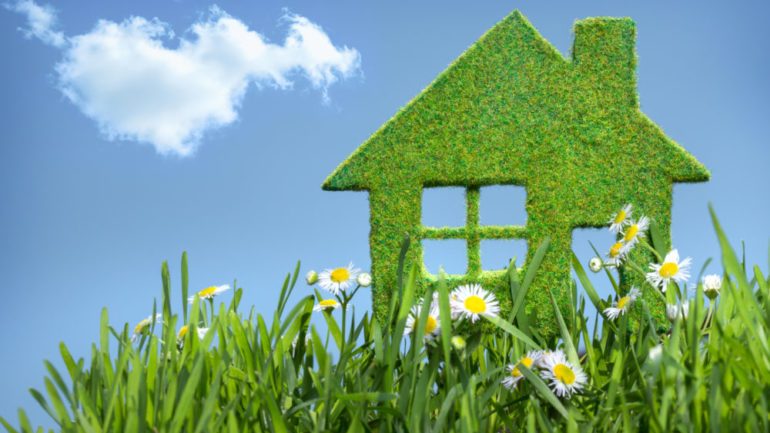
x: 712, y: 284
x: 655, y: 352
x: 675, y: 312
x: 311, y: 278
x: 458, y: 342
x: 595, y: 264
x: 364, y: 279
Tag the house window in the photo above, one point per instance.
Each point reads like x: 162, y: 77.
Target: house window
x: 472, y: 232
x: 496, y: 254
x: 443, y: 207
x: 446, y: 254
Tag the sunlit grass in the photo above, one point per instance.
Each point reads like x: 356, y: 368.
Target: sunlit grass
x: 709, y: 371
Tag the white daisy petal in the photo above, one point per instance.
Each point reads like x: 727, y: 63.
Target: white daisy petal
x: 327, y: 305
x: 432, y: 323
x: 565, y: 379
x: 472, y: 301
x: 144, y: 325
x: 514, y: 376
x: 209, y: 292
x: 634, y: 233
x: 622, y: 305
x: 339, y: 279
x: 670, y: 270
x: 620, y: 219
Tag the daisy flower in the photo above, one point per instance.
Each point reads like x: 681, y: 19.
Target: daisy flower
x: 471, y: 301
x: 712, y: 284
x: 209, y: 292
x: 326, y: 305
x: 432, y: 323
x: 565, y: 378
x: 339, y: 279
x: 620, y: 219
x: 144, y: 325
x: 622, y: 305
x: 186, y: 328
x: 671, y: 269
x: 616, y: 254
x: 634, y: 232
x: 514, y: 374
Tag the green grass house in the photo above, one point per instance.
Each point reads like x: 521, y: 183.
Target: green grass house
x: 512, y: 110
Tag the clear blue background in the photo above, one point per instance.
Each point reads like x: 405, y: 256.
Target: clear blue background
x: 86, y: 223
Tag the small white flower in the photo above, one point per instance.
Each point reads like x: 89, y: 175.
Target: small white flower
x: 675, y: 312
x: 471, y: 301
x: 311, y: 278
x: 565, y: 378
x: 209, y: 292
x: 634, y: 232
x: 622, y: 305
x: 364, y: 279
x: 144, y: 325
x: 514, y: 375
x: 326, y: 305
x: 620, y: 219
x: 670, y: 269
x: 616, y: 254
x: 712, y: 284
x: 595, y: 264
x: 432, y: 323
x: 339, y: 279
x: 186, y: 328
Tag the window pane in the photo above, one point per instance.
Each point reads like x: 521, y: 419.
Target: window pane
x: 444, y: 206
x: 496, y: 254
x: 449, y: 254
x: 503, y: 205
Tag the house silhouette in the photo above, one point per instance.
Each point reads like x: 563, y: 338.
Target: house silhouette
x: 512, y: 110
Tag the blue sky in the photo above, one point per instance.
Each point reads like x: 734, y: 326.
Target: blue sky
x: 95, y: 192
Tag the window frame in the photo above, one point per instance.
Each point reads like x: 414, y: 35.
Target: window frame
x: 473, y: 232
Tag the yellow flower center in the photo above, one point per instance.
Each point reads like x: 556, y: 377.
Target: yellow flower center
x: 564, y: 374
x: 208, y: 291
x: 340, y: 275
x: 475, y: 304
x: 525, y: 361
x: 183, y: 331
x: 623, y: 301
x: 430, y: 324
x: 631, y: 233
x: 669, y: 269
x: 620, y: 217
x: 615, y: 249
x: 328, y: 303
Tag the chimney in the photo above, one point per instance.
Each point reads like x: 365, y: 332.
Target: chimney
x: 605, y: 57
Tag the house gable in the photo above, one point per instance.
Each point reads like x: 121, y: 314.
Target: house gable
x: 508, y: 102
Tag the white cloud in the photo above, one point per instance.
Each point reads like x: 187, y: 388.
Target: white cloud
x: 40, y: 21
x: 135, y: 87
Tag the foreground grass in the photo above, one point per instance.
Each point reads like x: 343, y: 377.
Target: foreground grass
x: 710, y: 371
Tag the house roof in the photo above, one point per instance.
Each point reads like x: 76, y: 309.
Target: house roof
x: 512, y: 105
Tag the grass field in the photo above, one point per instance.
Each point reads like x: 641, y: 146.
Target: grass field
x: 708, y: 370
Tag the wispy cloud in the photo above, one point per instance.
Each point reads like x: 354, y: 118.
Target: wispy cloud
x: 40, y: 22
x: 122, y: 74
